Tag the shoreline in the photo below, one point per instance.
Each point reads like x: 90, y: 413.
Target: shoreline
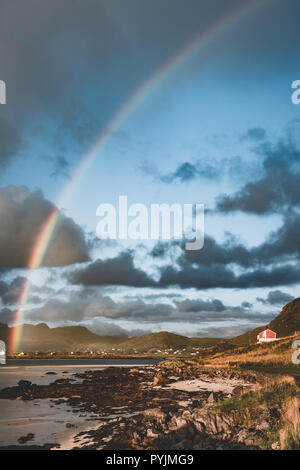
x: 144, y: 407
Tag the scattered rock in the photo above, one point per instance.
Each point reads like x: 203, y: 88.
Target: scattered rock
x: 153, y: 418
x: 160, y: 380
x: 263, y: 426
x: 211, y: 398
x: 155, y: 413
x: 27, y: 438
x: 24, y: 383
x: 239, y: 390
x: 150, y: 433
x: 275, y: 446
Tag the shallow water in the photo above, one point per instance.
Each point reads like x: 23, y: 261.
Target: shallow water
x: 42, y: 417
x: 35, y: 369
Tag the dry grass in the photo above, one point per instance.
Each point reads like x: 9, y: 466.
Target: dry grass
x: 289, y: 435
x: 279, y: 352
x: 277, y: 393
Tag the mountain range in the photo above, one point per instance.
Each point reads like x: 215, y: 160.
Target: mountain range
x: 78, y: 338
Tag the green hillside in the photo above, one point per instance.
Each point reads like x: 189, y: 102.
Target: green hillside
x: 64, y: 339
x: 165, y: 340
x: 288, y: 321
x: 285, y: 324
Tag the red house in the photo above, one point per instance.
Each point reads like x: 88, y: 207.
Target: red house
x: 266, y: 336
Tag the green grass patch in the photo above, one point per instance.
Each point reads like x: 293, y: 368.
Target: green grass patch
x: 272, y: 368
x: 267, y: 439
x: 292, y: 442
x: 275, y: 395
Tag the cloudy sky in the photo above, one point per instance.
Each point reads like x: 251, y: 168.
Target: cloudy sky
x: 220, y: 130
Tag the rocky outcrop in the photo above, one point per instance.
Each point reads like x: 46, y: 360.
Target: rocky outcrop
x: 156, y: 416
x: 190, y: 429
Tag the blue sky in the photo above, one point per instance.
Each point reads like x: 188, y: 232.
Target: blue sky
x: 68, y: 70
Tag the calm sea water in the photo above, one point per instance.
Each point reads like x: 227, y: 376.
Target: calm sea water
x: 35, y: 369
x: 85, y: 362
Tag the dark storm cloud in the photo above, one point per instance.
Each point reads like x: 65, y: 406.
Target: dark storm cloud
x: 12, y: 290
x: 6, y: 315
x: 57, y: 310
x: 276, y: 297
x: 231, y: 251
x: 3, y: 287
x: 216, y: 275
x: 113, y: 271
x: 45, y: 61
x: 87, y: 312
x: 212, y: 252
x: 273, y: 263
x: 198, y: 305
x: 23, y: 214
x: 187, y: 311
x: 276, y: 190
x: 187, y: 171
x: 255, y: 134
x: 89, y: 305
x: 10, y: 142
x: 246, y: 304
x: 161, y: 248
x: 281, y: 245
x: 79, y: 308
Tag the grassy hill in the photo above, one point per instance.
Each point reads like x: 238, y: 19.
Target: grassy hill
x: 155, y: 341
x: 285, y: 324
x: 78, y: 338
x: 288, y: 321
x: 65, y: 339
x: 165, y: 340
x: 250, y: 337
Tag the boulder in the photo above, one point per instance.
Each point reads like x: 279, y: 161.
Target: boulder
x: 156, y: 413
x: 239, y: 390
x: 160, y: 380
x: 24, y: 384
x: 211, y: 398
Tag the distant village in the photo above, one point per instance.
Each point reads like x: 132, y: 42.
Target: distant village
x: 265, y: 336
